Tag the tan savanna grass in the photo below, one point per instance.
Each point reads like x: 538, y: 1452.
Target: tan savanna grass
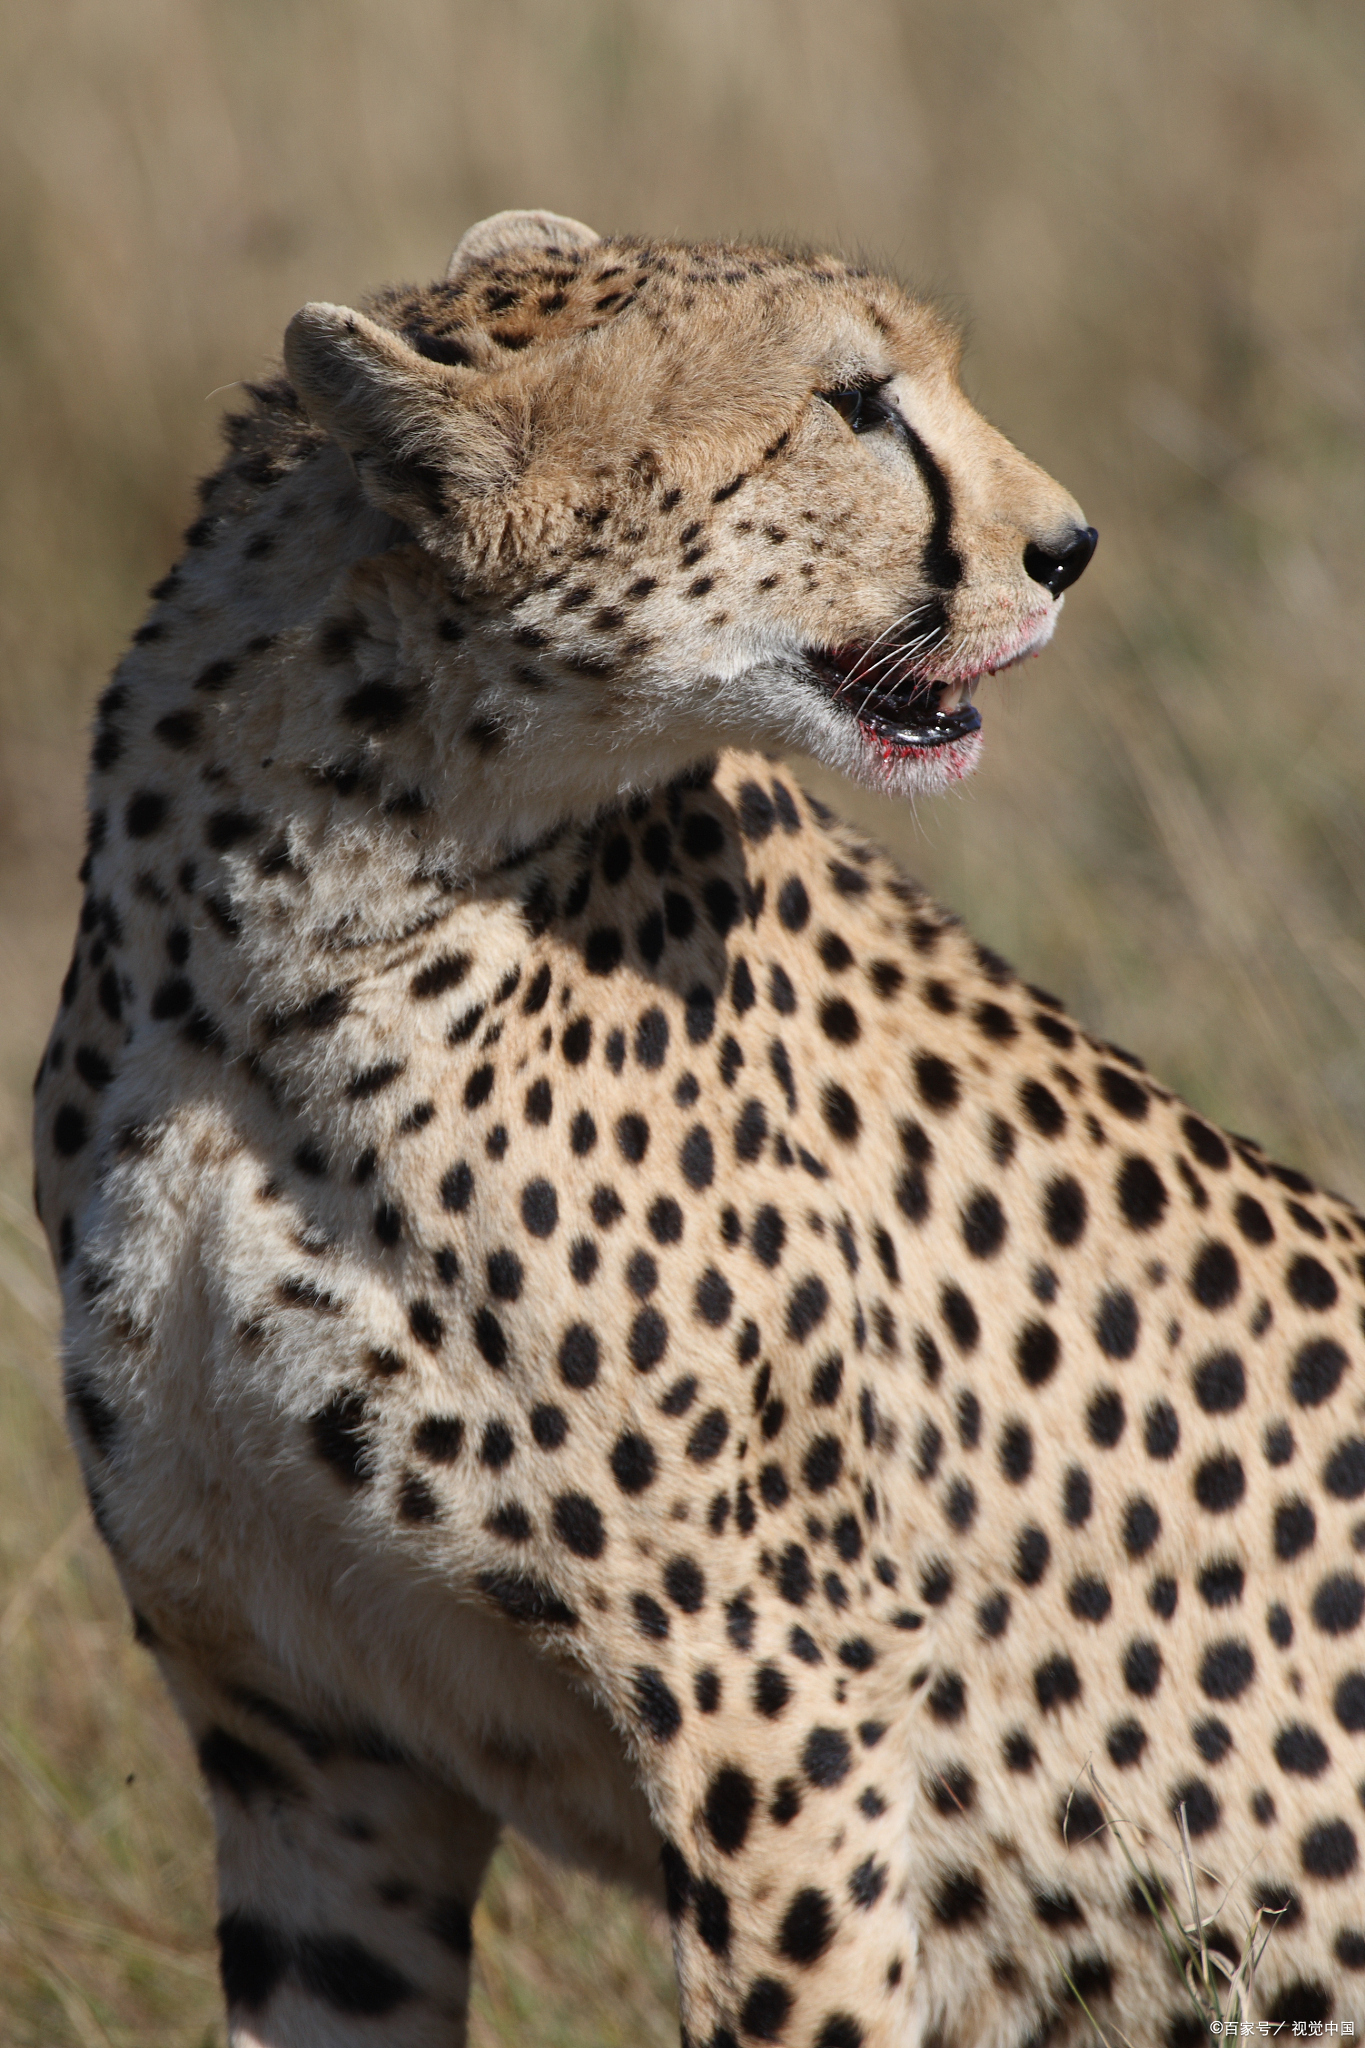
x: 1153, y: 213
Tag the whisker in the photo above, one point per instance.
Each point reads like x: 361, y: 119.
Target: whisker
x: 904, y: 620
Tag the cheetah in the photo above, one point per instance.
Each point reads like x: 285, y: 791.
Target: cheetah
x: 591, y: 1304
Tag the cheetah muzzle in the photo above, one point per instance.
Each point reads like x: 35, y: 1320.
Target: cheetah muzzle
x: 590, y: 1303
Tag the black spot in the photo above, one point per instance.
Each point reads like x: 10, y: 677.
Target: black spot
x: 511, y: 1522
x: 807, y: 1927
x: 253, y: 1958
x: 1301, y: 1751
x: 416, y: 1501
x: 794, y: 1578
x: 633, y: 1463
x: 706, y: 1689
x: 826, y: 1757
x: 445, y: 972
x: 1220, y: 1583
x: 1123, y: 1093
x: 1310, y: 1283
x: 490, y: 1338
x: 728, y: 1808
x: 1141, y: 1193
x: 1220, y: 1383
x: 1142, y: 1669
x: 340, y: 1971
x: 1252, y: 1220
x: 983, y: 1224
x: 1089, y: 1599
x: 936, y: 1082
x: 1215, y: 1278
x: 1018, y: 1752
x: 1162, y: 1596
x: 578, y: 1524
x: 936, y: 1582
x: 1125, y: 1743
x: 960, y: 1898
x: 537, y: 993
x: 1079, y: 1819
x: 576, y: 1041
x: 242, y: 1771
x: 807, y: 1307
x: 478, y: 1087
x: 1329, y: 1850
x: 1161, y: 1430
x: 338, y: 1433
x: 632, y: 1137
x: 1349, y: 1703
x: 1206, y: 1145
x: 709, y: 1436
x: 1064, y: 1210
x: 539, y: 1103
x: 1036, y: 1352
x: 1317, y: 1370
x: 1281, y: 1902
x: 1042, y: 1108
x: 839, y: 1021
x: 765, y: 2010
x: 656, y: 1704
x: 98, y: 1417
x: 505, y: 1275
x: 539, y: 1208
x: 840, y: 1112
x: 1032, y: 1553
x: 172, y: 998
x: 549, y: 1426
x: 603, y: 950
x: 1202, y: 1809
x: 1344, y: 1473
x: 1058, y: 1909
x: 1338, y: 1604
x: 648, y: 1340
x: 947, y: 1698
x: 1117, y: 1324
x: 607, y: 1207
x: 650, y: 1618
x: 372, y: 1079
x: 1104, y: 1418
x: 993, y: 1615
x: 994, y: 1021
x: 1219, y: 1483
x: 677, y: 1880
x: 697, y: 1158
x: 578, y: 1356
x: 1226, y: 1669
x: 146, y: 812
x: 439, y: 1437
x: 960, y: 1317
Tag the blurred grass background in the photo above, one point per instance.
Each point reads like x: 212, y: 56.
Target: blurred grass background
x: 1154, y: 217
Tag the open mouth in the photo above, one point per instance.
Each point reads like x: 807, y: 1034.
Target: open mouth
x: 911, y: 713
x: 900, y: 709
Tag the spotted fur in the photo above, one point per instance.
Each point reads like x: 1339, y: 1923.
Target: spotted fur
x: 590, y: 1302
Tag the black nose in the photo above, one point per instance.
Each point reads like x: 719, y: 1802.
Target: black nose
x: 1057, y: 568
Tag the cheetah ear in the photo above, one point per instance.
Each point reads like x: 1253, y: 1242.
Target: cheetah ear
x: 503, y: 232
x: 418, y: 441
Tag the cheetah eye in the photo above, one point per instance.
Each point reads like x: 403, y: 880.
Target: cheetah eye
x: 863, y: 406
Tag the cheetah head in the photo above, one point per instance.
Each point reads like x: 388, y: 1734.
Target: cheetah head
x: 697, y: 496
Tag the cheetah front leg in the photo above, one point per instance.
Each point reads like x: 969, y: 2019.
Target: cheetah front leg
x: 346, y: 1879
x: 786, y: 1851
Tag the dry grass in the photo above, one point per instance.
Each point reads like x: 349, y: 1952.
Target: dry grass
x: 1154, y: 213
